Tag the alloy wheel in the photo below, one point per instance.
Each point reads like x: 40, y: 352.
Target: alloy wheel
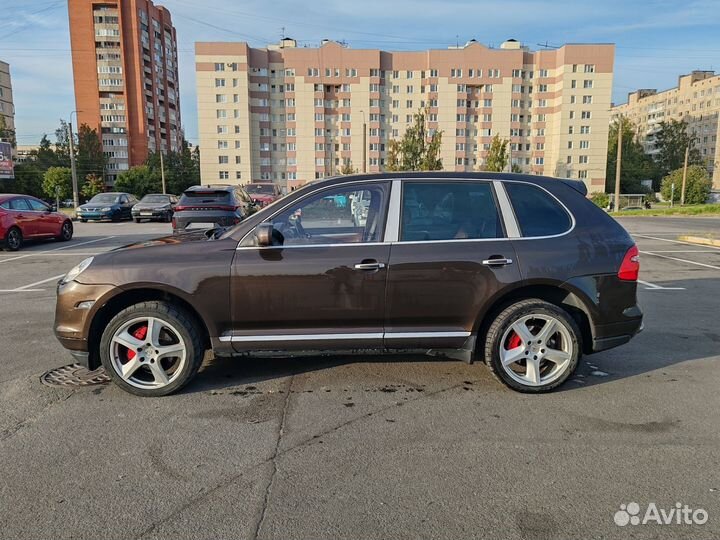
x: 14, y: 239
x: 66, y: 231
x: 148, y: 352
x: 536, y: 350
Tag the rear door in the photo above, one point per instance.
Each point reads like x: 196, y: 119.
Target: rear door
x: 452, y: 256
x: 24, y: 217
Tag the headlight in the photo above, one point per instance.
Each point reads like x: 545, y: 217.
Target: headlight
x: 78, y: 209
x: 76, y: 271
x: 106, y: 209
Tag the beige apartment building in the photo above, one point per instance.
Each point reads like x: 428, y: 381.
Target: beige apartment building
x: 696, y: 99
x: 292, y: 114
x: 7, y: 109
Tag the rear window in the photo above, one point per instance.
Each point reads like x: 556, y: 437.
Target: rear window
x: 537, y: 212
x: 206, y: 195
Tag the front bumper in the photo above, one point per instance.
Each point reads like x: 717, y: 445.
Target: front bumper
x: 150, y: 214
x: 95, y: 216
x: 77, y: 304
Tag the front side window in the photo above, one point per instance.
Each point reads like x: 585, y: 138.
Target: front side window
x: 449, y: 211
x: 38, y: 206
x: 343, y: 215
x: 537, y: 212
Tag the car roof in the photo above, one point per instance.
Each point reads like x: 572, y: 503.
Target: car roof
x: 218, y: 187
x: 578, y: 185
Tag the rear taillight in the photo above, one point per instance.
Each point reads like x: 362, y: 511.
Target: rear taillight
x: 630, y: 266
x: 179, y: 208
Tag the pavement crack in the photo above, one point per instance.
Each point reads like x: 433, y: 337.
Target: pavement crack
x: 273, y: 460
x: 279, y: 453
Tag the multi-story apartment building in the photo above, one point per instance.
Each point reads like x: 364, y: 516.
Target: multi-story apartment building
x: 696, y: 100
x: 291, y: 114
x: 125, y: 66
x: 7, y: 109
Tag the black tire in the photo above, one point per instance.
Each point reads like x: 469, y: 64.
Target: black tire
x: 137, y: 220
x: 185, y: 323
x: 83, y: 220
x: 66, y: 232
x: 13, y: 239
x: 506, y: 318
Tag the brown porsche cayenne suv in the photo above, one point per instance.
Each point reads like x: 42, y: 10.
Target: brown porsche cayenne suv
x: 521, y: 272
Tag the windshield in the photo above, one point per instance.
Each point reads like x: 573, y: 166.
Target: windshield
x: 105, y: 198
x: 164, y: 199
x: 260, y: 189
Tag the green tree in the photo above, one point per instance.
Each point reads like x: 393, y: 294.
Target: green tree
x: 636, y: 164
x: 671, y: 142
x: 139, y: 181
x: 347, y: 168
x: 419, y: 148
x: 28, y: 180
x: 7, y: 134
x: 57, y: 180
x: 601, y: 199
x: 497, y: 157
x: 697, y: 187
x: 182, y: 169
x: 93, y: 185
x: 90, y: 159
x: 45, y: 156
x: 62, y: 144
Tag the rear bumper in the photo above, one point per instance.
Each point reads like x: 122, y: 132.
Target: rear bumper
x: 223, y: 219
x: 608, y: 336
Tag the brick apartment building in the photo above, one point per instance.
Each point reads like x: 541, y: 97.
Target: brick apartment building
x: 292, y: 114
x: 124, y: 55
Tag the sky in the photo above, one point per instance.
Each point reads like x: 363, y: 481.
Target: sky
x: 656, y: 40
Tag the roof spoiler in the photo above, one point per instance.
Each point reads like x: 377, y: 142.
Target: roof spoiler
x: 577, y: 185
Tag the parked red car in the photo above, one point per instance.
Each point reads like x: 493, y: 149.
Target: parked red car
x: 263, y: 193
x: 23, y: 217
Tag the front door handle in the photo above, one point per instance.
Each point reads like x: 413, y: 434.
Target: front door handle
x: 499, y: 261
x: 369, y: 265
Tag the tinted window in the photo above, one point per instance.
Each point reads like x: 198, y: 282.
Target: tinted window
x: 38, y: 206
x: 344, y: 215
x: 537, y: 212
x: 19, y: 204
x: 449, y: 211
x: 105, y: 198
x: 161, y: 199
x: 205, y: 196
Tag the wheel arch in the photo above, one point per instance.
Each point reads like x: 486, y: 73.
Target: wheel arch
x: 128, y: 297
x: 555, y: 293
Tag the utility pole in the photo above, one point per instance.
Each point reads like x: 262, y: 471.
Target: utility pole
x: 618, y: 165
x: 162, y: 172
x: 682, y: 193
x: 73, y: 168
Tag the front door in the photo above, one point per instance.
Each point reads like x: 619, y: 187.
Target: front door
x: 46, y: 222
x: 451, y: 258
x: 323, y: 284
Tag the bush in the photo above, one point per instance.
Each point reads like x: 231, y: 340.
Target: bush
x: 697, y: 187
x: 601, y: 199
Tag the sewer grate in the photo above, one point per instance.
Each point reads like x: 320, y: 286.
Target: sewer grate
x: 74, y: 375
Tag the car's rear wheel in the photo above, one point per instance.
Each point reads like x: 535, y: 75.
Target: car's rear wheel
x: 66, y: 232
x: 13, y: 239
x: 533, y: 346
x: 152, y: 348
x: 137, y: 220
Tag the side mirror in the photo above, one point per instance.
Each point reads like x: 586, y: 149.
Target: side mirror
x: 53, y: 208
x: 263, y: 234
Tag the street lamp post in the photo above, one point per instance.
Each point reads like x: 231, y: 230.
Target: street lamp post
x: 73, y: 167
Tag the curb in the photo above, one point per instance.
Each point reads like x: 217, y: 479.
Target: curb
x: 699, y: 240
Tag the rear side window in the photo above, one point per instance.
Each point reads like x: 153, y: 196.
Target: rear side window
x: 449, y: 211
x: 19, y: 204
x: 537, y: 212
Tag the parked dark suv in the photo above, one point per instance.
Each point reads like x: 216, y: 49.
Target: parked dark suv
x: 214, y: 205
x: 521, y: 272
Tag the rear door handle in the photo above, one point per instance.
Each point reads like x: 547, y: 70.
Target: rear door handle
x: 369, y: 265
x: 497, y: 262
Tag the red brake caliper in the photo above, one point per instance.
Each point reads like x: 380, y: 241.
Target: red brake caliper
x: 140, y: 333
x: 514, y: 341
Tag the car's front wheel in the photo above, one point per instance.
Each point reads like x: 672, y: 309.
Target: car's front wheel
x: 533, y: 346
x: 152, y: 348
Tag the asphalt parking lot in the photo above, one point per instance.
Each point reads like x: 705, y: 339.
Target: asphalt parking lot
x: 366, y: 447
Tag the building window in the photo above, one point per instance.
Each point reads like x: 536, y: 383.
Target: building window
x: 223, y: 175
x: 589, y: 68
x: 587, y: 83
x: 222, y: 160
x: 219, y: 66
x: 584, y: 144
x: 582, y: 159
